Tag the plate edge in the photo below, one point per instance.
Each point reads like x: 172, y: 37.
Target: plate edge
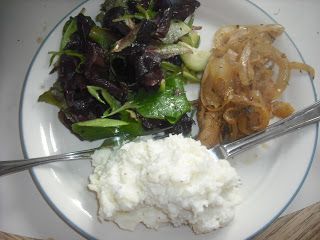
x: 23, y: 147
x: 78, y: 229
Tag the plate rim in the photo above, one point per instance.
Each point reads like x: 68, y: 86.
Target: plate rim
x: 70, y: 222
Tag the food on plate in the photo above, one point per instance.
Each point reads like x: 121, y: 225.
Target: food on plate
x: 242, y: 83
x: 125, y: 75
x: 156, y: 182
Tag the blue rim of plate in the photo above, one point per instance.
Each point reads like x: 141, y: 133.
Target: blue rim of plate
x: 81, y: 231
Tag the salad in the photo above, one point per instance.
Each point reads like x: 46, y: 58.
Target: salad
x: 125, y: 74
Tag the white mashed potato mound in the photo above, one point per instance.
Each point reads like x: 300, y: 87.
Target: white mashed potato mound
x: 172, y: 180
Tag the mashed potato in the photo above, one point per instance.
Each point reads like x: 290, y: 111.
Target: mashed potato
x: 173, y: 180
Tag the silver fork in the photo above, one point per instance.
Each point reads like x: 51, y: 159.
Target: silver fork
x: 296, y: 121
x: 12, y: 166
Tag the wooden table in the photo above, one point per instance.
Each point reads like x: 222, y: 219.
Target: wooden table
x: 302, y: 225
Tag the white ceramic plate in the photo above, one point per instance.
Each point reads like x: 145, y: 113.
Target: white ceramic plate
x: 271, y: 173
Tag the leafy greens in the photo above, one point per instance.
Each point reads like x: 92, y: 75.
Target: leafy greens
x: 125, y: 77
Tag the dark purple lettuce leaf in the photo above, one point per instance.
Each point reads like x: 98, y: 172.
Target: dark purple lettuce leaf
x: 117, y: 90
x: 146, y: 63
x: 77, y: 83
x: 126, y: 41
x: 80, y: 102
x: 74, y: 78
x: 163, y: 23
x: 132, y: 5
x: 184, y: 8
x: 176, y: 60
x: 161, y: 5
x: 122, y: 69
x: 136, y: 40
x: 146, y: 32
x: 183, y: 126
x: 147, y: 70
x: 76, y: 43
x: 95, y: 58
x: 119, y: 27
x: 149, y: 123
x: 136, y: 67
x: 181, y: 8
x: 79, y: 39
x: 97, y: 70
x: 152, y: 79
x: 81, y: 106
x: 67, y: 68
x: 84, y: 25
x: 67, y: 120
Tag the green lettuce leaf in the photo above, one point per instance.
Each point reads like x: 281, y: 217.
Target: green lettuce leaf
x: 169, y: 102
x: 102, y: 37
x: 104, y: 128
x: 54, y: 96
x: 68, y: 29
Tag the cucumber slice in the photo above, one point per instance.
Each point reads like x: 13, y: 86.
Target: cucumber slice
x: 190, y: 77
x: 177, y: 30
x: 197, y: 60
x: 192, y: 38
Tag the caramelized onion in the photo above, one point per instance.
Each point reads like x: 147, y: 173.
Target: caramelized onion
x: 242, y: 82
x: 304, y: 67
x: 281, y: 109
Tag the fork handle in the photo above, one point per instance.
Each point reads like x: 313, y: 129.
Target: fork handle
x: 296, y: 121
x: 7, y: 167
